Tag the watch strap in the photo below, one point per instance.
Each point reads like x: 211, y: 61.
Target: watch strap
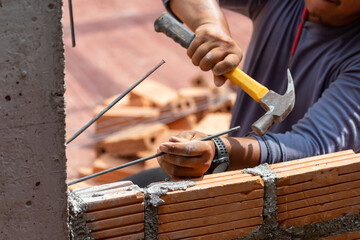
x: 221, y: 159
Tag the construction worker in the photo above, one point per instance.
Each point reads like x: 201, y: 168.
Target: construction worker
x: 325, y: 67
x: 324, y: 63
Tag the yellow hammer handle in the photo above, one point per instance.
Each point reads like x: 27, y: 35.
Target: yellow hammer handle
x: 246, y: 83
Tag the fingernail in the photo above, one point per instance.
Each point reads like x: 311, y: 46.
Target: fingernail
x: 174, y: 139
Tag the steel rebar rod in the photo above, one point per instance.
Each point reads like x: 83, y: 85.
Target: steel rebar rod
x: 114, y: 102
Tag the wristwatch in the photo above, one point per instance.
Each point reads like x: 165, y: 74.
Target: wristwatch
x: 221, y: 159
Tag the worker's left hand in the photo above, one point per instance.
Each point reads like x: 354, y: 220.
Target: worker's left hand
x: 186, y: 157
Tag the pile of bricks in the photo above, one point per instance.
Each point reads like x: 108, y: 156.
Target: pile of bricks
x: 311, y: 198
x: 148, y: 116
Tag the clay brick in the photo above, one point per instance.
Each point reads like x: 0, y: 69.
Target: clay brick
x: 248, y: 208
x: 140, y: 138
x: 325, y: 172
x: 79, y: 185
x: 325, y: 198
x: 314, y: 163
x: 344, y: 236
x: 116, y: 211
x: 216, y: 217
x: 84, y: 192
x: 292, y: 163
x: 246, y: 184
x: 120, y: 117
x: 106, y: 161
x: 227, y: 235
x: 135, y: 236
x: 120, y: 231
x: 221, y: 98
x: 228, y: 104
x: 321, y: 216
x: 184, y: 123
x: 123, y: 197
x: 214, y: 201
x: 123, y: 102
x: 283, y: 190
x: 194, y: 92
x: 179, y: 108
x: 320, y: 208
x: 201, y: 81
x: 193, y: 232
x: 154, y: 92
x: 213, y: 123
x: 318, y: 191
x: 116, y: 222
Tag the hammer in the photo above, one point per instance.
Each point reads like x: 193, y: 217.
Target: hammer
x: 277, y: 106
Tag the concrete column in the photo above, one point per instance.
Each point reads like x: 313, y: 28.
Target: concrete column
x: 33, y: 192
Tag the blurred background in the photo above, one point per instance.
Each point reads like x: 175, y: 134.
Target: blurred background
x: 115, y: 46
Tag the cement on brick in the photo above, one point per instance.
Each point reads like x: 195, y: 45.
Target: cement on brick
x: 77, y: 218
x: 155, y: 190
x: 270, y: 222
x: 153, y: 199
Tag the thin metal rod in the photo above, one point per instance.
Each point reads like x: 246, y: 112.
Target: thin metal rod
x: 145, y: 158
x: 72, y: 24
x: 114, y: 102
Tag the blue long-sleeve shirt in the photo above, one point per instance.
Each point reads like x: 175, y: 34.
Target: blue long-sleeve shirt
x: 326, y: 73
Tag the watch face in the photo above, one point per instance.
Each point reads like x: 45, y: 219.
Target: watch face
x: 222, y: 167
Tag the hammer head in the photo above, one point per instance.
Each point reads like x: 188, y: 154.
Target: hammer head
x: 277, y: 107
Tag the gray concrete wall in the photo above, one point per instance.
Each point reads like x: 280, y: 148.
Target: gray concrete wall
x: 33, y: 197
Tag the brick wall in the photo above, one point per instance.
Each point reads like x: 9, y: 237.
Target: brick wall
x: 311, y: 198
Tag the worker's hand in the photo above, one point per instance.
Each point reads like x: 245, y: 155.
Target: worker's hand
x: 214, y: 49
x: 186, y: 157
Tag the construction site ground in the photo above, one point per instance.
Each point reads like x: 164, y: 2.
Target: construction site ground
x: 115, y: 45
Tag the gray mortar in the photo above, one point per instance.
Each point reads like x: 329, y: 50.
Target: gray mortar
x: 153, y: 199
x: 269, y: 229
x: 77, y: 219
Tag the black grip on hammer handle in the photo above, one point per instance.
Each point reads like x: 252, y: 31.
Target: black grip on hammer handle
x: 174, y: 29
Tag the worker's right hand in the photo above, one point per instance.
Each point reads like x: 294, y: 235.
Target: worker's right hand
x: 214, y: 49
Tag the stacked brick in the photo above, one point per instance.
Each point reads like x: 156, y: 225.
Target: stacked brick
x: 148, y: 116
x: 110, y: 211
x: 220, y: 206
x: 310, y: 198
x: 317, y: 189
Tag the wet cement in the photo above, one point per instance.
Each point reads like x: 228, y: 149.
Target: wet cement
x: 77, y: 219
x: 153, y: 199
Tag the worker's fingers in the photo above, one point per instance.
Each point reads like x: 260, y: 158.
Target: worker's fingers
x: 190, y: 148
x: 181, y: 161
x: 176, y: 171
x: 196, y: 42
x: 214, y: 56
x: 203, y: 52
x: 230, y: 62
x: 219, y: 80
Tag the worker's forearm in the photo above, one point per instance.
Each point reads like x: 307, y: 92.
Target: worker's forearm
x: 243, y: 152
x: 198, y: 12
